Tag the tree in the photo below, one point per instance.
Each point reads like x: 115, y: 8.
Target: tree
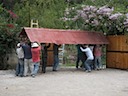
x: 47, y: 12
x: 8, y: 35
x: 95, y: 18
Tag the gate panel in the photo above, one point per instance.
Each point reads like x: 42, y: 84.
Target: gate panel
x: 117, y: 52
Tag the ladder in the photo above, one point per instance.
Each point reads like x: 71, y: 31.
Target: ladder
x: 61, y: 54
x: 34, y: 23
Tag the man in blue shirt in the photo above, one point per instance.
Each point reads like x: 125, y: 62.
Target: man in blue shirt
x: 27, y: 57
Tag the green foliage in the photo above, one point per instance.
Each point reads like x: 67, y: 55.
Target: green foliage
x: 119, y: 5
x: 70, y: 55
x: 79, y: 16
x: 47, y: 12
x: 8, y: 34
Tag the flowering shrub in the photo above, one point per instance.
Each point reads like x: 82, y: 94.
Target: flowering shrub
x: 8, y: 34
x: 97, y: 19
x: 13, y: 15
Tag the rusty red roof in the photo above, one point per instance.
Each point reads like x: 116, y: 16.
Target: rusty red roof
x: 59, y: 36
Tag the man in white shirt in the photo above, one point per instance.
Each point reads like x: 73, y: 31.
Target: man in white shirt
x: 90, y: 57
x: 20, y: 65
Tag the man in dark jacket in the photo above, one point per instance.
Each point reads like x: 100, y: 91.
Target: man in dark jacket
x: 44, y: 56
x: 56, y: 57
x: 80, y: 56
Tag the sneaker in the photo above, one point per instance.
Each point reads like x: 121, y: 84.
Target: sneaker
x: 21, y: 75
x: 88, y: 71
x: 54, y: 70
x: 81, y: 67
x: 97, y: 69
x: 33, y: 76
x: 25, y: 75
x: 16, y: 75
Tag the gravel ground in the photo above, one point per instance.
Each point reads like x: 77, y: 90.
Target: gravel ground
x: 66, y: 82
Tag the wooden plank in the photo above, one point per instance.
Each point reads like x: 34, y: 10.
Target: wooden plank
x: 117, y: 60
x: 111, y: 60
x: 50, y: 58
x: 117, y: 43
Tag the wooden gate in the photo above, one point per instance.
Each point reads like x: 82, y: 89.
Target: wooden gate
x: 50, y: 58
x: 117, y: 52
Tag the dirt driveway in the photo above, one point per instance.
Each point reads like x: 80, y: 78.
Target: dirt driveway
x: 66, y: 82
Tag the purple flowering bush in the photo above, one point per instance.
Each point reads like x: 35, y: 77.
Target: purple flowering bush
x: 94, y: 18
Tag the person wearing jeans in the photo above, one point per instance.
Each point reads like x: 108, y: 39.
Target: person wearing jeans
x: 35, y: 68
x: 97, y: 57
x: 20, y: 65
x: 56, y: 57
x: 35, y: 58
x: 90, y: 57
x: 27, y: 58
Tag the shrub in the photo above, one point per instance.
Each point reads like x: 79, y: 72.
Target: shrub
x: 8, y: 34
x: 94, y: 18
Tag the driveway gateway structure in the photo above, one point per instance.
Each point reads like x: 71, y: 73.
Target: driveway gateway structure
x: 61, y: 36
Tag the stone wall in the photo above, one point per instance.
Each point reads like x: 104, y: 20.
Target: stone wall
x: 12, y: 60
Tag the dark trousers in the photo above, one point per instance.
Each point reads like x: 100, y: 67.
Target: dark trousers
x: 82, y: 58
x: 44, y: 64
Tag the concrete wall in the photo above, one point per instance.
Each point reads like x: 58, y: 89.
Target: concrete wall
x: 13, y: 60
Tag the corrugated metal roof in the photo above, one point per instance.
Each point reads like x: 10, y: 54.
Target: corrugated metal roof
x: 58, y: 36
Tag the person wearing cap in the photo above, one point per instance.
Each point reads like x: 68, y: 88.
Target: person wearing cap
x: 89, y: 59
x: 36, y: 49
x: 20, y: 64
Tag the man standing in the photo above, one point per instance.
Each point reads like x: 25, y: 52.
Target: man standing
x: 56, y: 57
x: 35, y: 58
x: 27, y: 57
x: 20, y: 65
x: 97, y: 57
x: 44, y: 56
